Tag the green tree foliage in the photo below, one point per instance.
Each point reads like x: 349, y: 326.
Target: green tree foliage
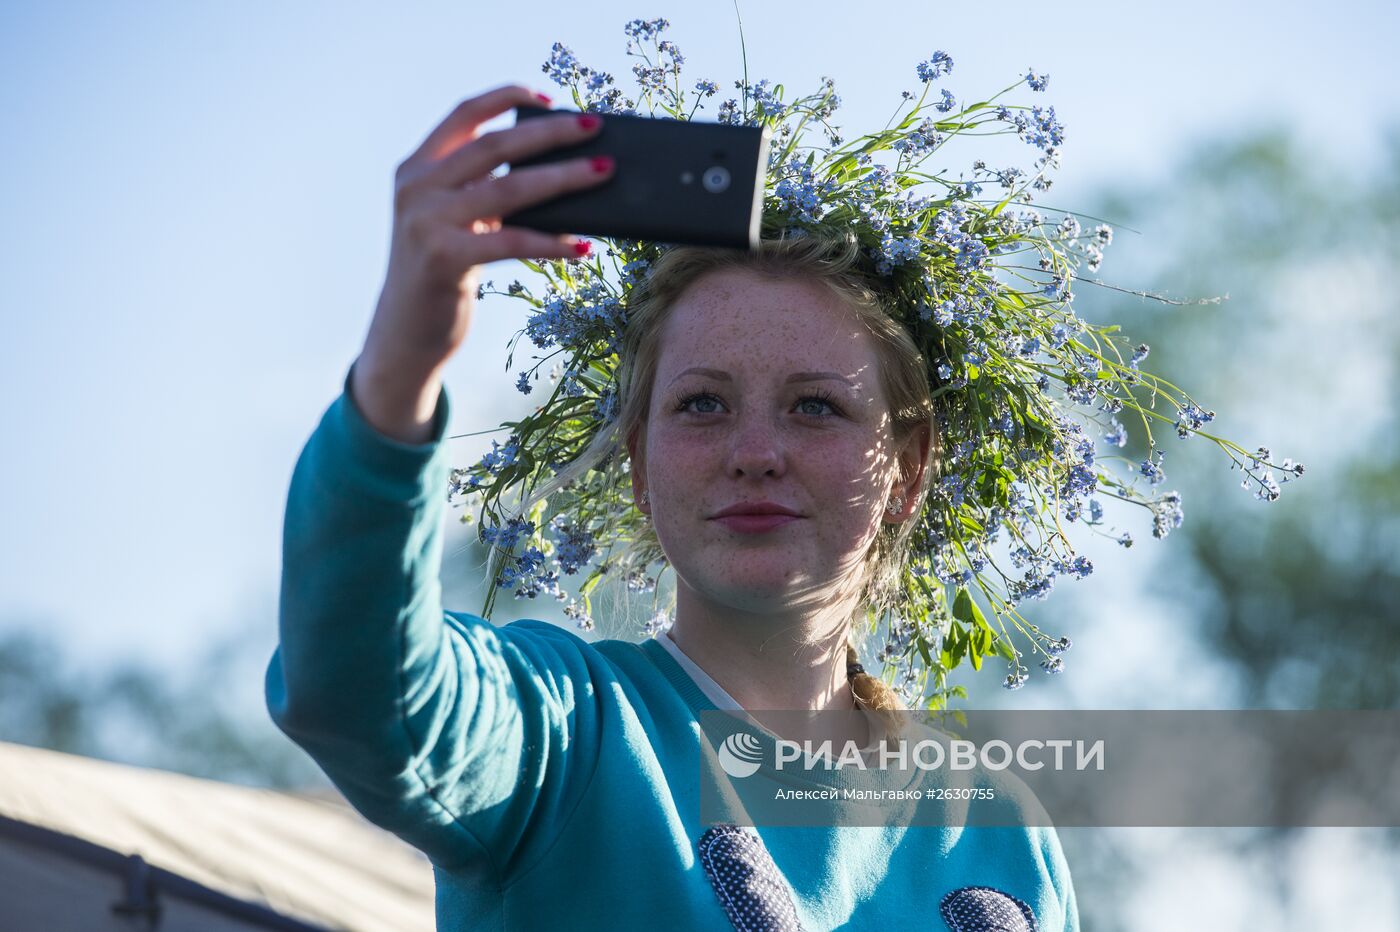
x: 1300, y: 595
x: 207, y: 722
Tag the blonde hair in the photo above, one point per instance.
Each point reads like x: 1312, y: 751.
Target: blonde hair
x: 825, y: 257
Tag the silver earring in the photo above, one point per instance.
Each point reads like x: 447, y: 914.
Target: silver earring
x: 896, y: 505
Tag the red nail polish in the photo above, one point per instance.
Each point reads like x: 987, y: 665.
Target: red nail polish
x: 543, y: 98
x: 582, y: 247
x: 602, y: 163
x: 588, y: 121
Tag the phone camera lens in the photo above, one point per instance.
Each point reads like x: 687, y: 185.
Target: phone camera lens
x: 716, y: 179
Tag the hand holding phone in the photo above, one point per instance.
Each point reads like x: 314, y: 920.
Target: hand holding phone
x: 674, y: 181
x: 447, y: 224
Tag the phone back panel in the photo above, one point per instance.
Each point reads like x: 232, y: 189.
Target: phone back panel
x: 659, y: 190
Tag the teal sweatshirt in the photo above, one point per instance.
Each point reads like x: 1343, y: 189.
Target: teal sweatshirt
x: 551, y: 781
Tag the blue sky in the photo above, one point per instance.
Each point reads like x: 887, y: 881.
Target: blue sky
x: 196, y: 223
x: 197, y: 208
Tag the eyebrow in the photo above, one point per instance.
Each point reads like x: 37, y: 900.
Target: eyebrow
x: 722, y: 376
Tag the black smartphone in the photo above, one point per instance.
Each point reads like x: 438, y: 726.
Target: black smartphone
x: 675, y: 181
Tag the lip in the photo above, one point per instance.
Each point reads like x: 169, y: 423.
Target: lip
x: 756, y: 508
x: 755, y: 523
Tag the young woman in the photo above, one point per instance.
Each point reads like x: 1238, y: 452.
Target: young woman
x: 780, y: 437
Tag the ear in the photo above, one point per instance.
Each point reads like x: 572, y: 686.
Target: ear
x: 913, y: 458
x: 636, y: 455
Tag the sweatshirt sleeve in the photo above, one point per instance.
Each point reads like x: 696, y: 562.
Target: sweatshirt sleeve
x: 1058, y: 869
x: 467, y: 740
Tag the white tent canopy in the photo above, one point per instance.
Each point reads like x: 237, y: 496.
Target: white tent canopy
x: 91, y: 845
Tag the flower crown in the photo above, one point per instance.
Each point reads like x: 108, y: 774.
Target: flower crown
x: 1015, y: 375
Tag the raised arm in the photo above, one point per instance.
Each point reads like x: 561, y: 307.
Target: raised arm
x: 438, y: 726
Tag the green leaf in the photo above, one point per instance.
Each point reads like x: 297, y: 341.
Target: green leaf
x: 971, y: 523
x: 956, y: 644
x: 981, y: 641
x: 964, y: 609
x: 962, y: 606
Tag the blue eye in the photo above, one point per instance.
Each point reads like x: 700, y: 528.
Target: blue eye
x: 819, y: 396
x: 684, y: 402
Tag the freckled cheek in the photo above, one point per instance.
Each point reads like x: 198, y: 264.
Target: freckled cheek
x: 852, y: 497
x: 681, y: 466
x: 681, y: 451
x: 852, y: 527
x: 846, y: 469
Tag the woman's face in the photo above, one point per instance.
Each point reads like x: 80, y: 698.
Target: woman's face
x: 766, y: 391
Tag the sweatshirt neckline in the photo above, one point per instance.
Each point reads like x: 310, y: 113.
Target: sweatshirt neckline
x: 849, y: 776
x: 689, y: 690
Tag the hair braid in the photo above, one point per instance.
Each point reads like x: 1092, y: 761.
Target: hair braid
x: 873, y: 693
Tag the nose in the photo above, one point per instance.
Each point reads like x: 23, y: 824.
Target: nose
x: 756, y: 449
